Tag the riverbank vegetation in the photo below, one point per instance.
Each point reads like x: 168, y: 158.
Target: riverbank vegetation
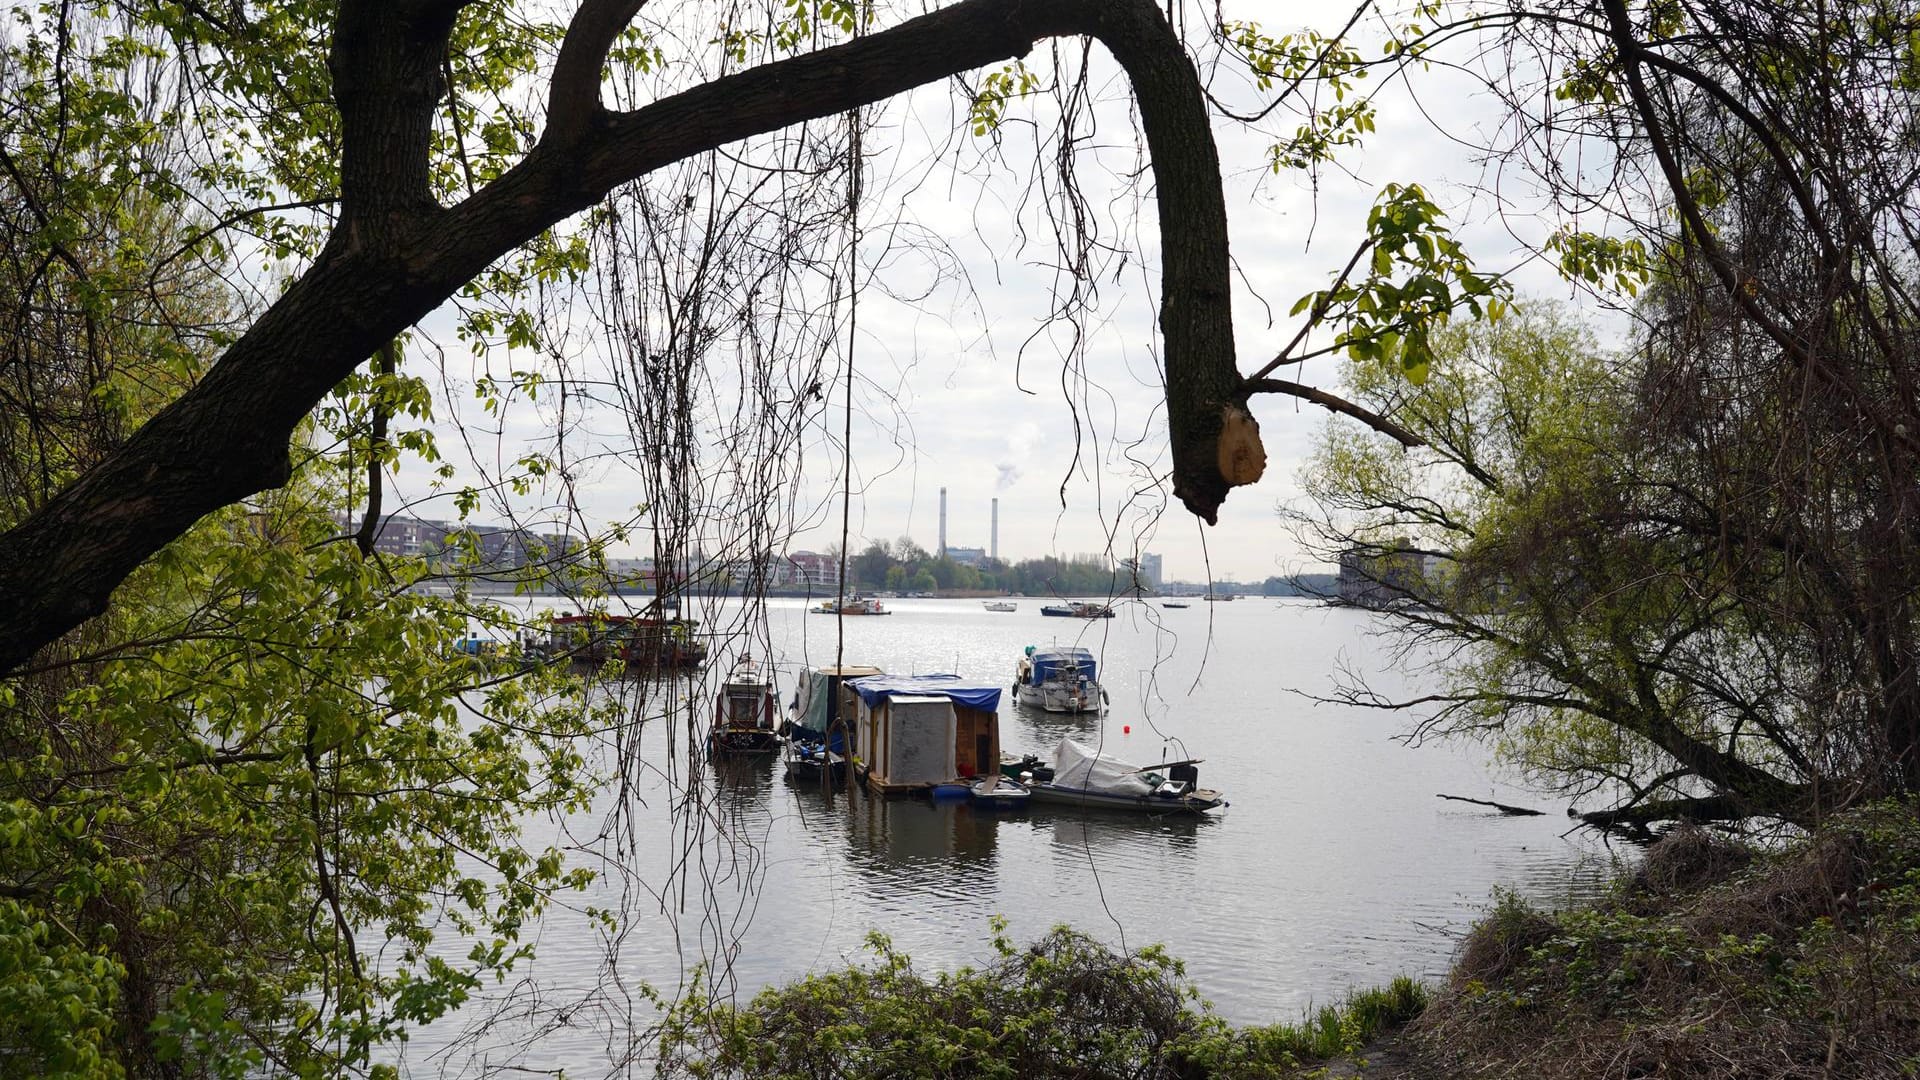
x: 1711, y: 960
x: 1065, y: 1006
x: 904, y: 565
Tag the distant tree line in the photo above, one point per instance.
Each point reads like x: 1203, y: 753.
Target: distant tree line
x: 904, y: 566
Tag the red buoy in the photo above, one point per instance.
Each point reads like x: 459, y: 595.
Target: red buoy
x: 1126, y: 729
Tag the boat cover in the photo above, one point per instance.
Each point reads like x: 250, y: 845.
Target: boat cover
x: 1077, y: 766
x: 969, y: 692
x: 1048, y: 661
x: 820, y: 699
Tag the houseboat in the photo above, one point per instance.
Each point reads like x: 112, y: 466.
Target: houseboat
x: 638, y: 640
x: 913, y: 732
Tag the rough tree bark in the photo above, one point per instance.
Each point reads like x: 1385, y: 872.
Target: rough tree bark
x: 396, y: 254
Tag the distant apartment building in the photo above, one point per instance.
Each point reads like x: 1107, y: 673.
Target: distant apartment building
x: 1150, y: 569
x: 815, y: 570
x: 500, y: 547
x: 630, y: 574
x: 403, y: 536
x: 410, y: 536
x: 491, y: 548
x: 766, y: 570
x: 1380, y: 575
x: 1143, y: 572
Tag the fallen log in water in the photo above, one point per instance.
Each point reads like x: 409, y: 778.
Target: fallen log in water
x: 1516, y: 811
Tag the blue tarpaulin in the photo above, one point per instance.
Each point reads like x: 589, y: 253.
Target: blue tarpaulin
x: 1049, y: 659
x: 969, y: 692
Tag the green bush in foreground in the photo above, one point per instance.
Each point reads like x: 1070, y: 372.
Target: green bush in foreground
x: 1065, y: 1006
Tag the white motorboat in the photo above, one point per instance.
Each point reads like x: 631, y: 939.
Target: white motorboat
x: 1058, y: 678
x: 1000, y: 605
x: 1078, y: 609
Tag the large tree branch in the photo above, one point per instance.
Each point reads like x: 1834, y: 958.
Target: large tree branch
x: 395, y: 257
x: 1734, y: 278
x: 1335, y: 403
x: 573, y: 95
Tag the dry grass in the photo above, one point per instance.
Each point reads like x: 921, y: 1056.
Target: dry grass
x: 1499, y: 944
x: 1711, y: 962
x: 1688, y: 859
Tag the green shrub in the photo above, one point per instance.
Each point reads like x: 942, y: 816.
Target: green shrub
x: 1066, y: 1006
x: 1277, y: 1050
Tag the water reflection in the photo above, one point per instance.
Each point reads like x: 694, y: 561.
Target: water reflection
x: 1033, y: 728
x: 915, y: 842
x: 1120, y: 835
x: 741, y: 783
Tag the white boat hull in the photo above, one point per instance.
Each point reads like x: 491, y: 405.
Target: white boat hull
x: 1193, y: 802
x: 1058, y: 699
x: 1001, y: 792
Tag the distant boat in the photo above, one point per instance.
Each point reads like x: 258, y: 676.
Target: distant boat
x: 852, y: 605
x: 1078, y: 609
x: 1217, y: 598
x: 743, y: 713
x: 484, y: 648
x: 999, y: 605
x: 1175, y: 603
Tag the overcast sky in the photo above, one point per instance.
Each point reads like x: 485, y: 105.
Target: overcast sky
x: 957, y: 391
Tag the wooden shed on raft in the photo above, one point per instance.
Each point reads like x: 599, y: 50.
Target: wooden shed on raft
x: 914, y: 731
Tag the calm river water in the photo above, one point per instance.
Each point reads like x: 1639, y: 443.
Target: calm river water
x: 1335, y: 865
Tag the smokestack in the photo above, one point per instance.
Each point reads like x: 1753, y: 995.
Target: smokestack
x: 943, y: 523
x: 994, y: 544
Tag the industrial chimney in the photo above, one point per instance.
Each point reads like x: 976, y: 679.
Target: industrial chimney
x: 943, y: 523
x: 993, y: 548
